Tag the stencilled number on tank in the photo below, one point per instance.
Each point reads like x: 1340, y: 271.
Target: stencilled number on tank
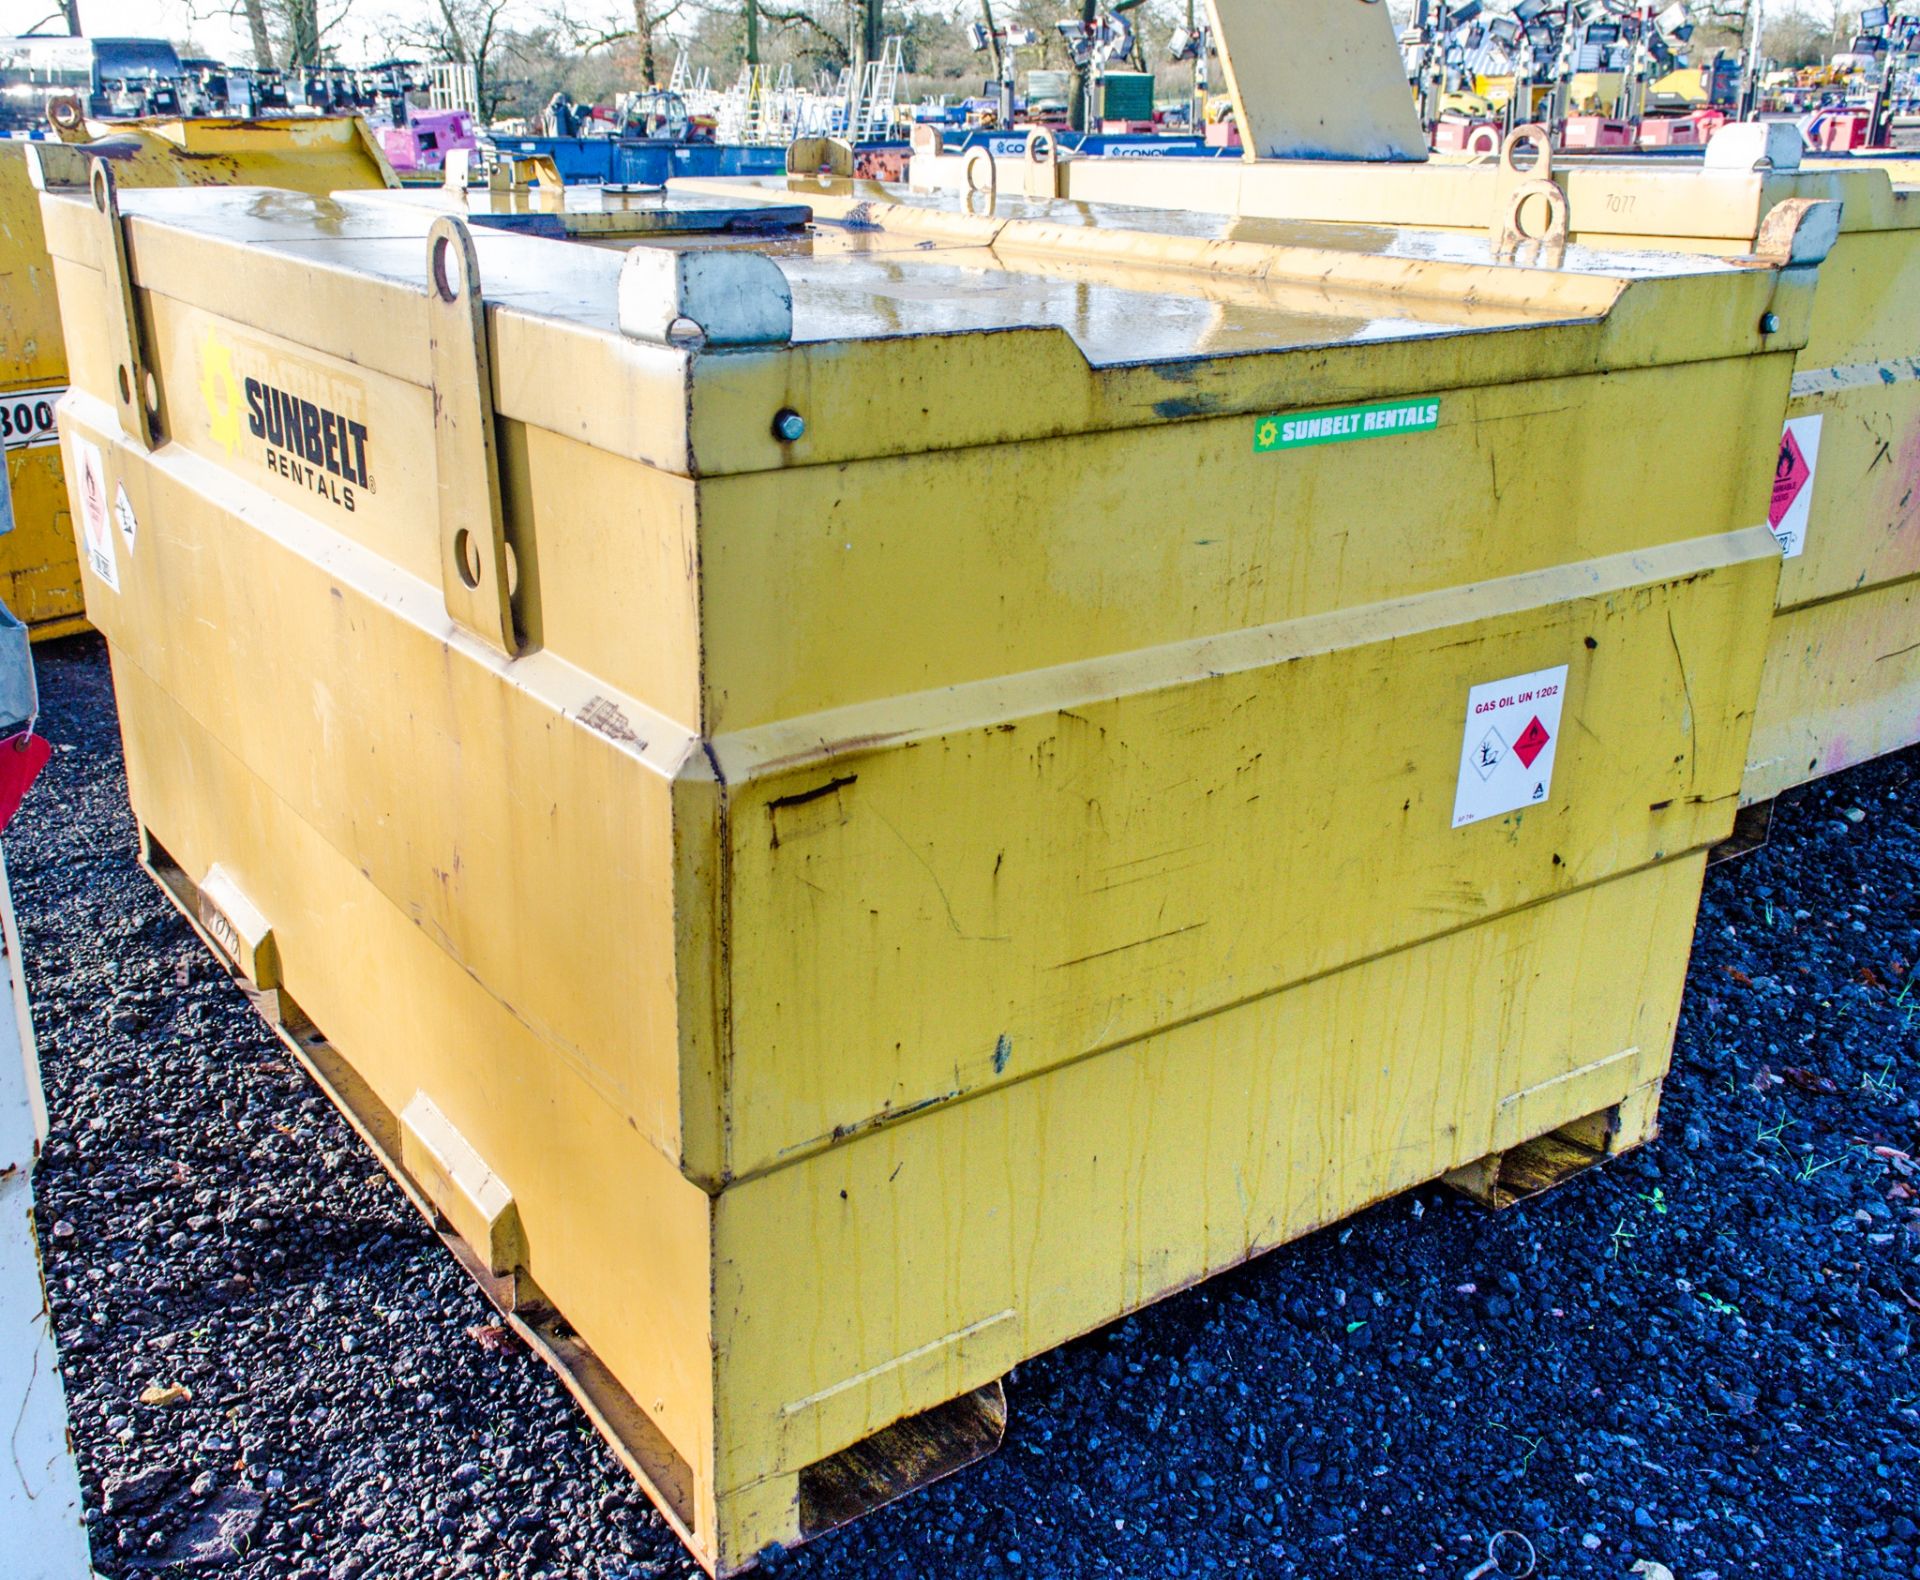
x: 225, y: 934
x: 26, y: 419
x: 1619, y: 202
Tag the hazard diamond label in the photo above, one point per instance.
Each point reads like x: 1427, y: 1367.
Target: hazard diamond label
x: 1496, y: 776
x: 95, y: 525
x: 1532, y: 742
x: 1790, y: 475
x: 1793, y: 469
x: 1489, y: 754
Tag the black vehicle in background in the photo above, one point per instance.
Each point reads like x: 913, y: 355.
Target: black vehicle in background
x: 116, y: 77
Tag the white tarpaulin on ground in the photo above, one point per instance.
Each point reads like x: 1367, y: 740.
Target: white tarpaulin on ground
x: 41, y: 1534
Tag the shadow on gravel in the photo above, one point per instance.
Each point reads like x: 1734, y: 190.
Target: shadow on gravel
x: 1700, y: 1356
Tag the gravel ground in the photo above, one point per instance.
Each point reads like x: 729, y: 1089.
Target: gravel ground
x: 1700, y: 1356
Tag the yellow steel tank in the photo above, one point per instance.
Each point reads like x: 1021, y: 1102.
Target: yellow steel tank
x: 1843, y: 670
x: 39, y: 570
x: 845, y: 803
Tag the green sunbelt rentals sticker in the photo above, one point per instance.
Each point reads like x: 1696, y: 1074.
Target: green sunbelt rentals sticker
x: 1348, y: 422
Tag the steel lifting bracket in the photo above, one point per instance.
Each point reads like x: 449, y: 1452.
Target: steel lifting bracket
x: 1516, y: 191
x: 1040, y: 164
x: 476, y: 561
x: 136, y: 391
x: 68, y: 117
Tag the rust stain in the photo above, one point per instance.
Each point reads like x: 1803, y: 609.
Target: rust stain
x: 802, y: 797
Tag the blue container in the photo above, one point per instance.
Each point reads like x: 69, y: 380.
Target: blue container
x: 637, y: 162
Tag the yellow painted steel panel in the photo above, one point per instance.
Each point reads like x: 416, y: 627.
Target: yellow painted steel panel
x: 30, y: 353
x: 1868, y: 306
x: 1863, y: 522
x: 1838, y: 687
x: 372, y: 975
x: 39, y: 575
x: 296, y: 153
x: 314, y: 627
x: 1089, y: 910
x: 1034, y: 774
x: 39, y: 571
x: 1112, y: 574
x: 1178, y: 1155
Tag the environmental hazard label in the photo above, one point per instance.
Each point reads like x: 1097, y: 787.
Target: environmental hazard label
x: 1793, y: 470
x: 1507, y: 748
x: 95, y: 524
x: 123, y: 514
x: 1296, y: 430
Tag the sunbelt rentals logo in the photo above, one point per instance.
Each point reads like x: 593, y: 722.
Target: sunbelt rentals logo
x: 306, y: 425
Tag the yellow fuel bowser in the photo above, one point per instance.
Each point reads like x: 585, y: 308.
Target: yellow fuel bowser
x: 731, y: 760
x: 1843, y: 673
x: 39, y: 570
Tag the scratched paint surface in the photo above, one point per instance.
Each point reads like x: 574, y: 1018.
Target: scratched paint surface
x: 1839, y: 687
x: 1076, y: 870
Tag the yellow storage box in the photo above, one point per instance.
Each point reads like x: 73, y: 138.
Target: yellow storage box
x: 848, y: 805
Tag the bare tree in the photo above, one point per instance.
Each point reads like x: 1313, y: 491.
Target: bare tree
x: 289, y: 33
x: 66, y: 13
x: 645, y: 29
x: 469, y: 33
x: 870, y: 36
x: 300, y: 31
x: 1081, y: 115
x: 256, y: 13
x: 830, y: 40
x: 1792, y: 33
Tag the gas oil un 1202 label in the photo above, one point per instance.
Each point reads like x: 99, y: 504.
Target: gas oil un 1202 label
x: 1508, y: 746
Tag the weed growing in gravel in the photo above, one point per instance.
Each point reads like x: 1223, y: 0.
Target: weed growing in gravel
x: 1532, y: 1443
x: 1810, y: 1166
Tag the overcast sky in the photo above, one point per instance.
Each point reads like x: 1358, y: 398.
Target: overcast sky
x: 358, y: 39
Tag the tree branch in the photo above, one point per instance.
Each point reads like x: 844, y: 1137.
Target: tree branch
x: 804, y: 19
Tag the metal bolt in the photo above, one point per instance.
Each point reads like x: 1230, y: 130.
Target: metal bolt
x: 788, y: 425
x: 1769, y: 323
